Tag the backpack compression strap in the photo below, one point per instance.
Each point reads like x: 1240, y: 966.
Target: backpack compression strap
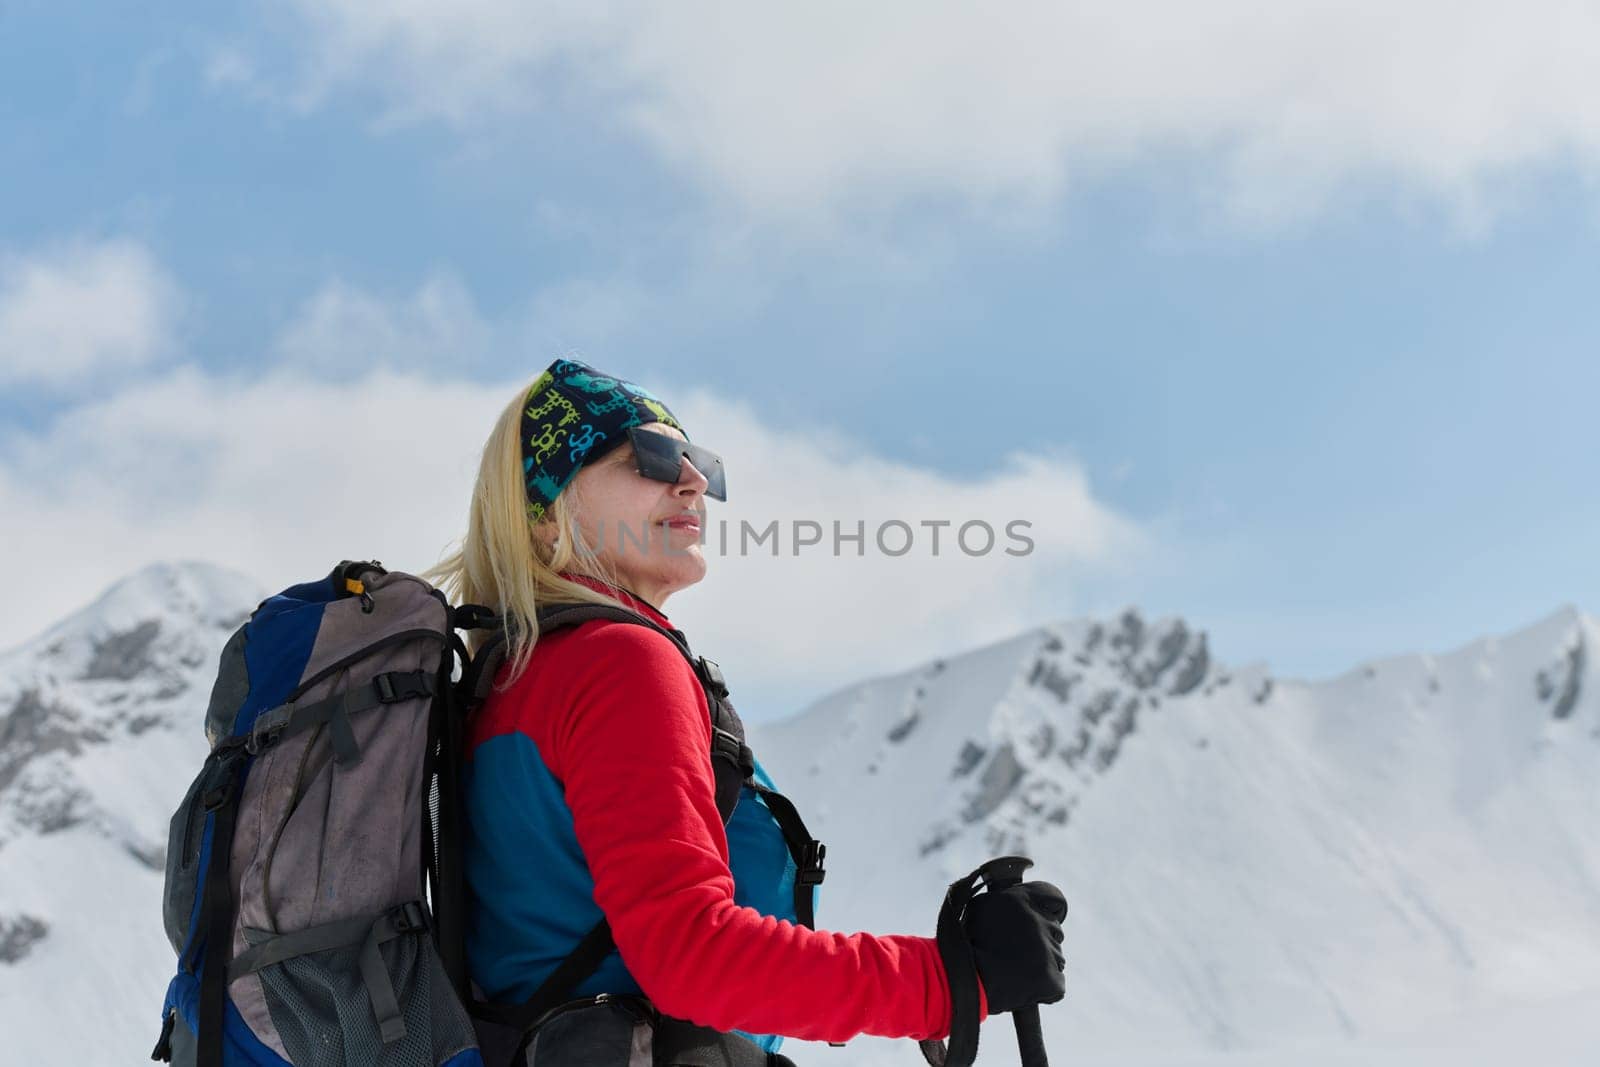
x: 216, y: 909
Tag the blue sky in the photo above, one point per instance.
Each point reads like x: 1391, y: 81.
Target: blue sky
x: 1346, y: 380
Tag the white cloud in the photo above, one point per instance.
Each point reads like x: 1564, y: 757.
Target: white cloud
x: 81, y: 310
x: 278, y: 477
x: 282, y: 477
x: 227, y: 65
x: 800, y: 107
x: 342, y: 329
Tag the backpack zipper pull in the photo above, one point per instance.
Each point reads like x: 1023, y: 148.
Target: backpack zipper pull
x: 163, y: 1049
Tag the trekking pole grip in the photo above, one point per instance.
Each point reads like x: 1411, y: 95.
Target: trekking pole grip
x: 1003, y: 874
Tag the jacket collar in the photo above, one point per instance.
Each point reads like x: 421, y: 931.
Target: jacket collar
x: 629, y: 598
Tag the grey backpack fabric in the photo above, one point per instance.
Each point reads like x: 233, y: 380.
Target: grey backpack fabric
x: 329, y: 956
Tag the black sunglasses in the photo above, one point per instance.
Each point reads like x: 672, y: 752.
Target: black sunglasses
x: 659, y: 456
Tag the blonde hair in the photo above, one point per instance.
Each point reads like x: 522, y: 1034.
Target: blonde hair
x: 502, y: 563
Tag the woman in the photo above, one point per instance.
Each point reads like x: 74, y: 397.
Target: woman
x: 589, y: 790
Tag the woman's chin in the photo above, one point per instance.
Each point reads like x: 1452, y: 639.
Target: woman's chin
x: 686, y: 567
x: 692, y: 562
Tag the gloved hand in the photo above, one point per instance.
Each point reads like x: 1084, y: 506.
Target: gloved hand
x: 1015, y: 934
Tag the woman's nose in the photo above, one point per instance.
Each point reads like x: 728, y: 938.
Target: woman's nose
x: 689, y: 477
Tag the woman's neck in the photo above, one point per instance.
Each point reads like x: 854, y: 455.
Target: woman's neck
x: 621, y: 592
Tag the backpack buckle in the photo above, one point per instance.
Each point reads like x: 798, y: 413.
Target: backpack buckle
x: 268, y: 727
x: 713, y: 676
x: 216, y: 786
x: 395, y: 686
x: 408, y: 917
x: 473, y: 617
x: 811, y: 872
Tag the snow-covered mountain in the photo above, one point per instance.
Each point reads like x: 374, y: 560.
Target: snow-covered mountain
x: 1252, y: 863
x: 100, y: 733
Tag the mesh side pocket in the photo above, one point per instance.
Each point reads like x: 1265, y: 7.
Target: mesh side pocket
x: 323, y: 1014
x: 184, y: 834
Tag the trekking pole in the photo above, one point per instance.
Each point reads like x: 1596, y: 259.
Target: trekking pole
x: 1002, y: 874
x: 961, y: 969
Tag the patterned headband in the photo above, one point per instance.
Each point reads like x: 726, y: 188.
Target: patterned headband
x: 574, y: 414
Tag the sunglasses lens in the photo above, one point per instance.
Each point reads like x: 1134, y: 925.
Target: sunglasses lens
x: 660, y: 457
x: 709, y: 464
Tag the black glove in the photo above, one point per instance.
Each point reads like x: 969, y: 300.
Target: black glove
x: 1015, y: 934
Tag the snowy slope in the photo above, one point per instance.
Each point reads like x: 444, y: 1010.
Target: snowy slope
x: 1250, y: 862
x: 1398, y: 866
x: 100, y: 733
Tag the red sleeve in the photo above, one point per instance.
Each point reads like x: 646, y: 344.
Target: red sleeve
x: 630, y: 742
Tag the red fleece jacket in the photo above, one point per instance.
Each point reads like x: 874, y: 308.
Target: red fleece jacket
x: 622, y: 723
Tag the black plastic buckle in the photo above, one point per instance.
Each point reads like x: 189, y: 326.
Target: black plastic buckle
x: 268, y: 727
x: 733, y: 750
x: 395, y: 686
x: 811, y: 872
x: 472, y: 617
x: 409, y: 917
x: 725, y: 741
x: 219, y: 780
x: 713, y: 677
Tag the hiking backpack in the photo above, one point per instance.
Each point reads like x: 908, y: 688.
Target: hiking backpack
x: 314, y: 886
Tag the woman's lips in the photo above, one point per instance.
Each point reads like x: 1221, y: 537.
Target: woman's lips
x: 685, y: 523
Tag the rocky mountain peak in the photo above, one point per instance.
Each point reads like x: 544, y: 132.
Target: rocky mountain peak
x: 134, y: 663
x: 1073, y: 702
